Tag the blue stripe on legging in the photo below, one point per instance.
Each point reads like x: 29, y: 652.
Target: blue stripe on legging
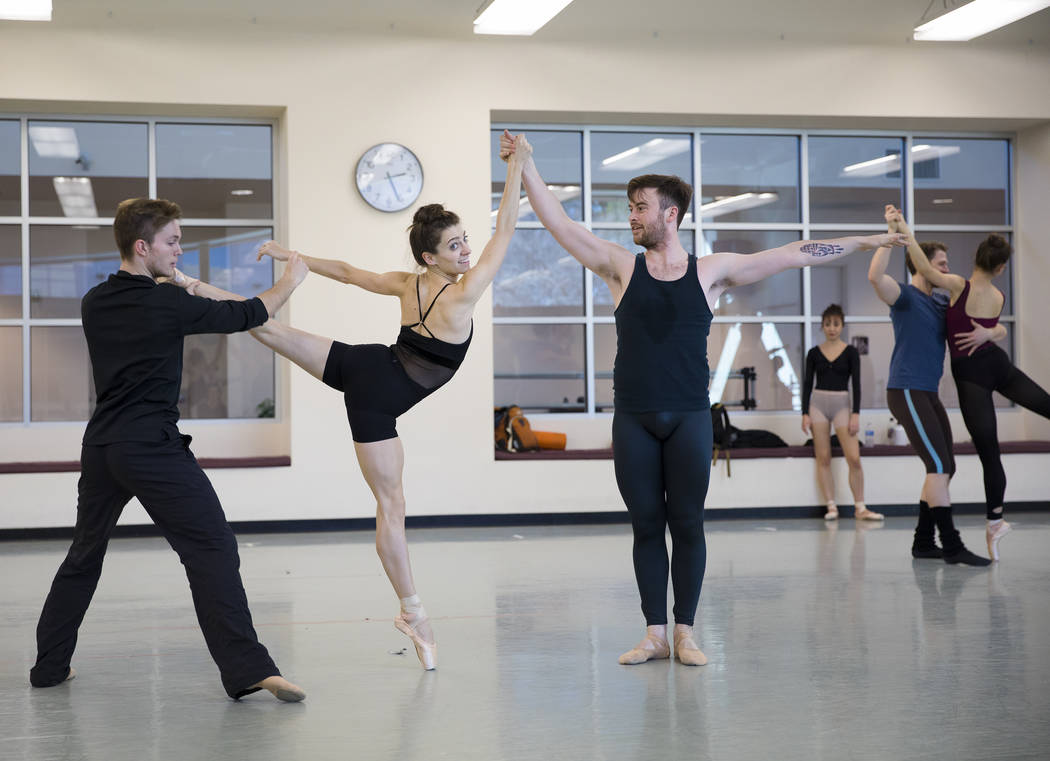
x: 922, y: 433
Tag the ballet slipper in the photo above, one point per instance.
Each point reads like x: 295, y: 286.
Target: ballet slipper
x: 868, y: 515
x: 651, y: 648
x: 832, y: 514
x: 425, y: 651
x: 686, y: 651
x: 282, y: 689
x: 993, y: 535
x: 71, y: 675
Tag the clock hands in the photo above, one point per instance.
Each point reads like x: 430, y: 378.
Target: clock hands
x: 390, y: 179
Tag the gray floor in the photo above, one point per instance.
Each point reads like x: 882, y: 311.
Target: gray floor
x: 824, y: 643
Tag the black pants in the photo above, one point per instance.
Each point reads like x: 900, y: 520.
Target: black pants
x: 179, y: 498
x: 976, y: 377
x: 926, y: 423
x: 663, y: 466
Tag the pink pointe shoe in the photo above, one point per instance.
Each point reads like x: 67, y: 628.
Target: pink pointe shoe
x: 425, y: 651
x: 993, y: 534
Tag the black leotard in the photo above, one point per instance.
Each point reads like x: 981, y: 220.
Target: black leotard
x: 832, y: 376
x: 379, y: 383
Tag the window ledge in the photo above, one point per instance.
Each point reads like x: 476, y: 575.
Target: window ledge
x: 208, y: 463
x: 879, y: 450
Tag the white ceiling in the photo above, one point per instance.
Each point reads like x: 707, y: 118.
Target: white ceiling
x: 667, y: 22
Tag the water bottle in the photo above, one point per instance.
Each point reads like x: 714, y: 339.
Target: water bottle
x: 869, y: 434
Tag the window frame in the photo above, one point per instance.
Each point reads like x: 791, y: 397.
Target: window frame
x: 806, y: 229
x: 26, y: 322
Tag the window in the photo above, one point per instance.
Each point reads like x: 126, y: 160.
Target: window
x: 554, y: 329
x: 56, y: 243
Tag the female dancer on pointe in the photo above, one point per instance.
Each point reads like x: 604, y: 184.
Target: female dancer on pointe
x: 979, y: 366
x: 380, y: 383
x: 835, y: 364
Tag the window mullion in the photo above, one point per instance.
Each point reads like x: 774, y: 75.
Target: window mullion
x: 27, y: 398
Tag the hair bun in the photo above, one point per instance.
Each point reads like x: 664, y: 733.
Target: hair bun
x: 428, y: 214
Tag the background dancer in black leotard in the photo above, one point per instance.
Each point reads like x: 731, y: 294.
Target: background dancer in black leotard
x: 831, y: 368
x: 381, y: 382
x: 665, y: 298
x: 980, y: 367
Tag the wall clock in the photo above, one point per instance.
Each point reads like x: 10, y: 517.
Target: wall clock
x: 389, y: 177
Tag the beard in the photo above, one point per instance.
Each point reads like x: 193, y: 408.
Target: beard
x: 649, y: 236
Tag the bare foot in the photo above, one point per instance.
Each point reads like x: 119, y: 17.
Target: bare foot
x: 282, y: 689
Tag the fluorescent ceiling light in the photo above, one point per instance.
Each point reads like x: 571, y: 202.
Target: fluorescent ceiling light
x: 55, y: 142
x: 76, y: 196
x: 561, y: 192
x: 25, y: 10
x: 892, y: 162
x: 977, y: 18
x: 736, y: 203
x: 521, y: 17
x: 641, y: 156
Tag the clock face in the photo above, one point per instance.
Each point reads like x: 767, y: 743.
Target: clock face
x: 389, y: 177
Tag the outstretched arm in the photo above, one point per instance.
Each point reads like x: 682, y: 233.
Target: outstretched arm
x: 273, y: 299
x: 599, y: 256
x: 922, y: 265
x: 723, y: 271
x: 478, y: 278
x: 385, y: 284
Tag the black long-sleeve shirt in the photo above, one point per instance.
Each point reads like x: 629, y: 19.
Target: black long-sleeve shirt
x: 134, y: 329
x: 832, y: 376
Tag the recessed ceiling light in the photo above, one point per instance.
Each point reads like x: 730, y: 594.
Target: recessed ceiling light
x: 520, y: 17
x: 242, y: 192
x: 25, y: 10
x: 977, y: 18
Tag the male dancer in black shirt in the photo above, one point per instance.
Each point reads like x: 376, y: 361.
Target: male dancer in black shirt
x: 132, y: 448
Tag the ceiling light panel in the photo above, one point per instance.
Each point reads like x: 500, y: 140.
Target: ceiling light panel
x: 977, y: 18
x: 516, y: 17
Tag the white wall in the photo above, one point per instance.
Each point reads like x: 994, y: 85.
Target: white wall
x: 336, y: 95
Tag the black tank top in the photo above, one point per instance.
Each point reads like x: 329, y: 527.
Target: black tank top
x: 661, y: 343
x: 428, y: 360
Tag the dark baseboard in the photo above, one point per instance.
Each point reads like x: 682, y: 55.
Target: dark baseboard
x: 208, y: 463
x: 515, y: 519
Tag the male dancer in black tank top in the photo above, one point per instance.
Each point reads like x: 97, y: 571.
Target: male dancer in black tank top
x: 664, y: 301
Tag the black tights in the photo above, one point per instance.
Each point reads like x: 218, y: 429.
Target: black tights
x: 976, y: 377
x: 663, y: 465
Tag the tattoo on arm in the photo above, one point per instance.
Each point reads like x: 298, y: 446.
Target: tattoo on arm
x: 821, y: 249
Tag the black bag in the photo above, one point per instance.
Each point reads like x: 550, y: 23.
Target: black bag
x: 757, y: 439
x: 721, y: 430
x: 721, y: 435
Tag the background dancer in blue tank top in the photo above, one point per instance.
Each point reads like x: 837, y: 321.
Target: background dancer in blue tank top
x: 978, y: 365
x: 916, y: 366
x: 664, y: 300
x: 381, y: 382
